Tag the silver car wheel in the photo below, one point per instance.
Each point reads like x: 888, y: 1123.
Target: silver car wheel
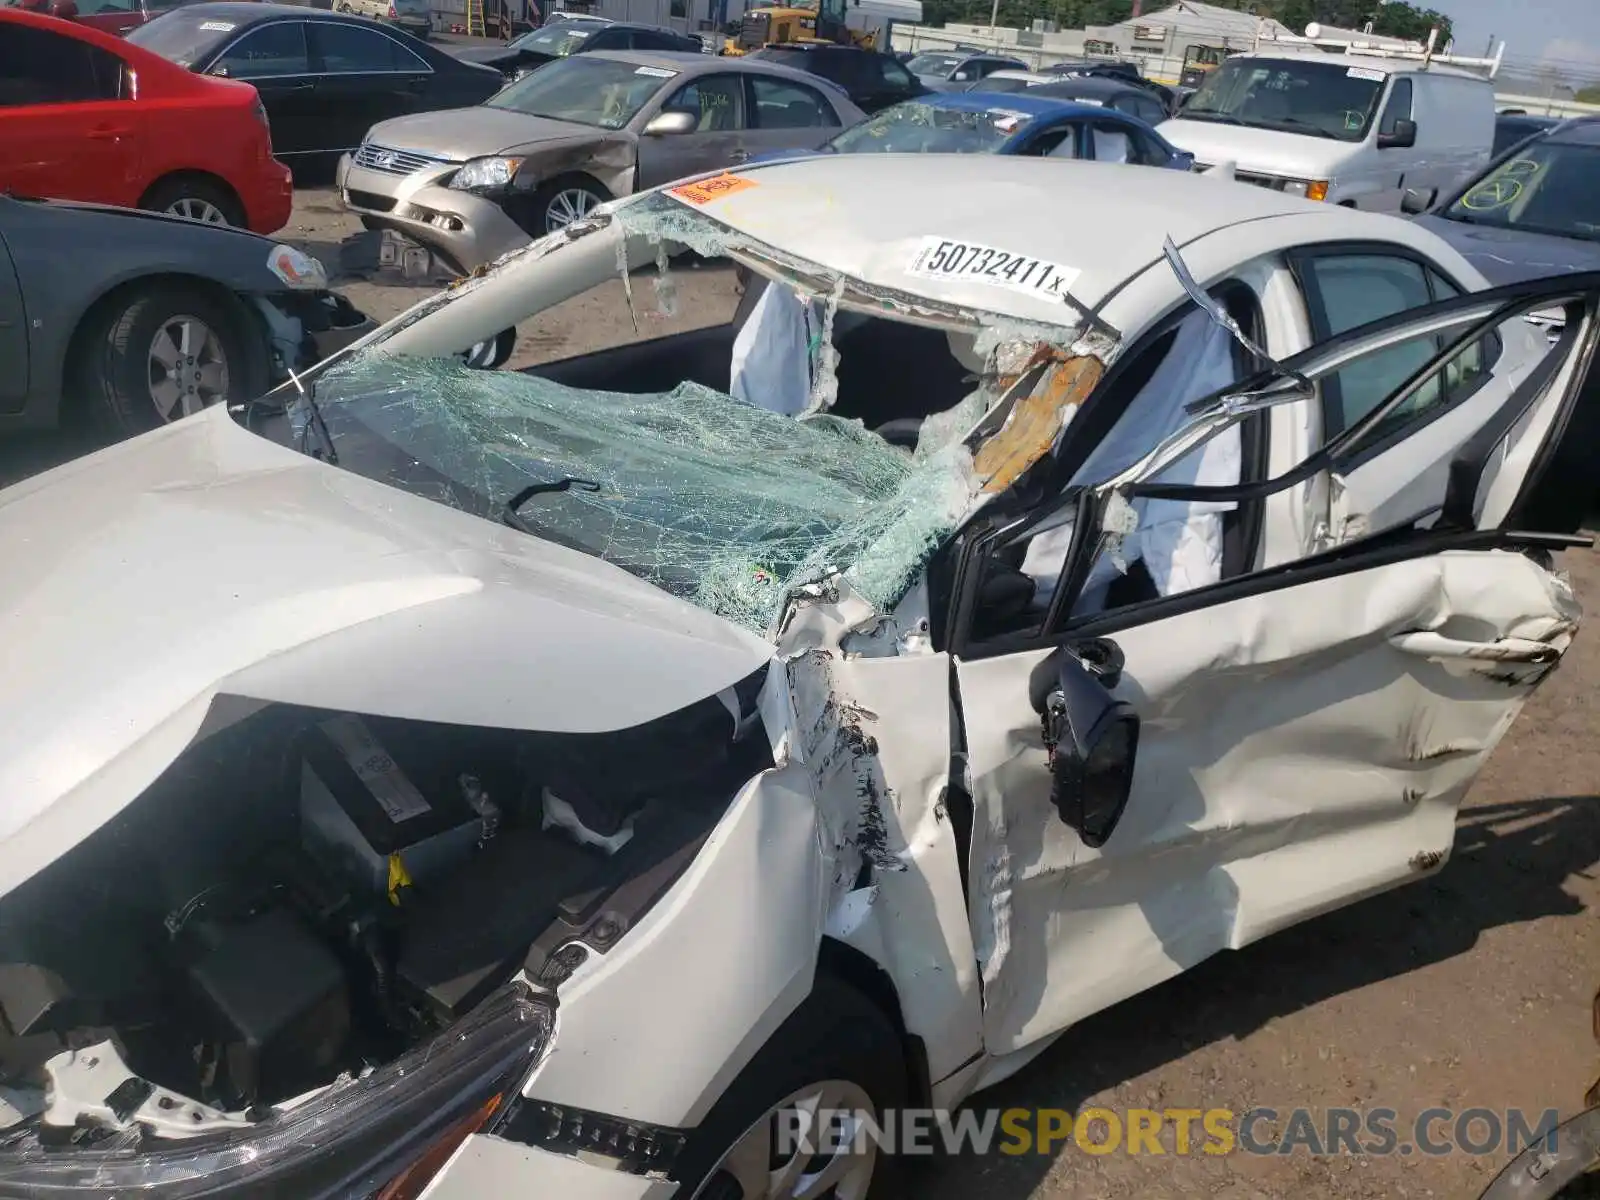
x: 188, y: 368
x: 757, y: 1168
x: 193, y: 208
x: 569, y: 205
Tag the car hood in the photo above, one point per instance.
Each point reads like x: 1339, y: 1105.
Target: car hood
x: 462, y: 133
x: 1272, y: 151
x: 1512, y: 255
x: 203, y: 563
x: 493, y: 56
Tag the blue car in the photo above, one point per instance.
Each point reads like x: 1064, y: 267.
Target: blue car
x: 1008, y: 123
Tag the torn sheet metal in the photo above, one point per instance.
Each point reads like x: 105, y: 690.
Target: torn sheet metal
x: 1292, y: 759
x: 748, y: 911
x: 1037, y: 419
x: 881, y: 732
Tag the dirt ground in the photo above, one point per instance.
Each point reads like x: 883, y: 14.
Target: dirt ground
x: 1470, y: 989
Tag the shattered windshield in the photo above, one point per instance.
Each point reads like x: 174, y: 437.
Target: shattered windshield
x: 719, y: 502
x: 917, y: 128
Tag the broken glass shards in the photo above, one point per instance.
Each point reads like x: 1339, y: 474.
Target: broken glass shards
x: 724, y: 504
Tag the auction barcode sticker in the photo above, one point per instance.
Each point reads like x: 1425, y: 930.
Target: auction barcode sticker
x: 1367, y: 74
x: 945, y: 258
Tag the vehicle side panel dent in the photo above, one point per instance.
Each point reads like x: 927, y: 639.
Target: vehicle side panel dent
x: 611, y: 161
x: 657, y: 1028
x: 1295, y: 758
x: 878, y: 741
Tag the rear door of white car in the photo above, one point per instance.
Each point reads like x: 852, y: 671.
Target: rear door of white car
x: 1308, y: 729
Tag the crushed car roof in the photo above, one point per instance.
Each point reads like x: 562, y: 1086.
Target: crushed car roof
x: 868, y: 216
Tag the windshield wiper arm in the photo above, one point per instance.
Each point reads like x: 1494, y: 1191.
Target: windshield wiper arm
x: 307, y: 416
x: 1206, y: 114
x: 513, y: 518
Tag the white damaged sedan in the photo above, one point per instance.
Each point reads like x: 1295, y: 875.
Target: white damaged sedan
x: 441, y: 781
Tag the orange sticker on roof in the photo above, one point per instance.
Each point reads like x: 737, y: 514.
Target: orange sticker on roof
x: 704, y: 191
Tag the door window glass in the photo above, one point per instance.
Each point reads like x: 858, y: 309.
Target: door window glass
x: 1058, y: 143
x: 91, y: 8
x: 1112, y: 143
x: 783, y: 105
x: 1398, y: 107
x: 895, y: 75
x: 1348, y: 291
x: 41, y: 67
x: 266, y: 52
x: 350, y: 49
x: 649, y: 39
x: 716, y: 100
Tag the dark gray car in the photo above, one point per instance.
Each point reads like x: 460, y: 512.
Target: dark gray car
x: 1532, y: 212
x: 157, y: 317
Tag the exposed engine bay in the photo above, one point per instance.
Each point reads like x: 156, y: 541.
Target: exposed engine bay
x: 304, y: 895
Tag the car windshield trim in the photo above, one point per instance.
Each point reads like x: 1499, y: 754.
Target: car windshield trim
x: 583, y: 89
x: 1297, y: 96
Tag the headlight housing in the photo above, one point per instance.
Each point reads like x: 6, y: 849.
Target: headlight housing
x: 299, y: 272
x: 383, y: 1134
x: 1311, y: 189
x: 486, y: 174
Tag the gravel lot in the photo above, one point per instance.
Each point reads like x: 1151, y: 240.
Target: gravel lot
x: 1471, y: 989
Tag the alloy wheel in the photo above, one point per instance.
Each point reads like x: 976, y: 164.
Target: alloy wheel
x: 193, y: 208
x: 760, y: 1167
x: 567, y: 206
x: 188, y: 368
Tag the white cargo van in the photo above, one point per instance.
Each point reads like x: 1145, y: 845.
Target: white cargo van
x: 1349, y: 129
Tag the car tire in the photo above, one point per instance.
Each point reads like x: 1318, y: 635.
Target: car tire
x: 561, y: 201
x: 127, y: 376
x: 196, y: 199
x: 837, y: 1040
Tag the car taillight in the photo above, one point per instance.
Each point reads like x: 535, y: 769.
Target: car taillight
x: 260, y: 111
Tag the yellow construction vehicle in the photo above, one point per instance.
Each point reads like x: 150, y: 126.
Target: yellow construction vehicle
x: 774, y: 25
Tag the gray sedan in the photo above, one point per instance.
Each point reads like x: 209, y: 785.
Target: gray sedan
x: 156, y: 318
x: 473, y: 183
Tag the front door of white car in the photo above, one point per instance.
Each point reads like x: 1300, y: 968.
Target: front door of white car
x: 1308, y: 729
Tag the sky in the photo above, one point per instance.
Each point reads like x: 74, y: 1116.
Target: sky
x: 1567, y: 31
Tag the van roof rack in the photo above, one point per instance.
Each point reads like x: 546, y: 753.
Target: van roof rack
x: 1368, y: 45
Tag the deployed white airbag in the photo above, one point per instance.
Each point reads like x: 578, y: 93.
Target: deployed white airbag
x: 1179, y: 542
x: 771, y: 365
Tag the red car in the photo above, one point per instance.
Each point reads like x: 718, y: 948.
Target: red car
x: 85, y: 116
x: 111, y: 16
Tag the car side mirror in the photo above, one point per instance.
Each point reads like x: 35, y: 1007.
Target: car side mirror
x: 1418, y: 200
x: 1404, y: 135
x: 961, y: 76
x: 670, y: 123
x: 1091, y: 737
